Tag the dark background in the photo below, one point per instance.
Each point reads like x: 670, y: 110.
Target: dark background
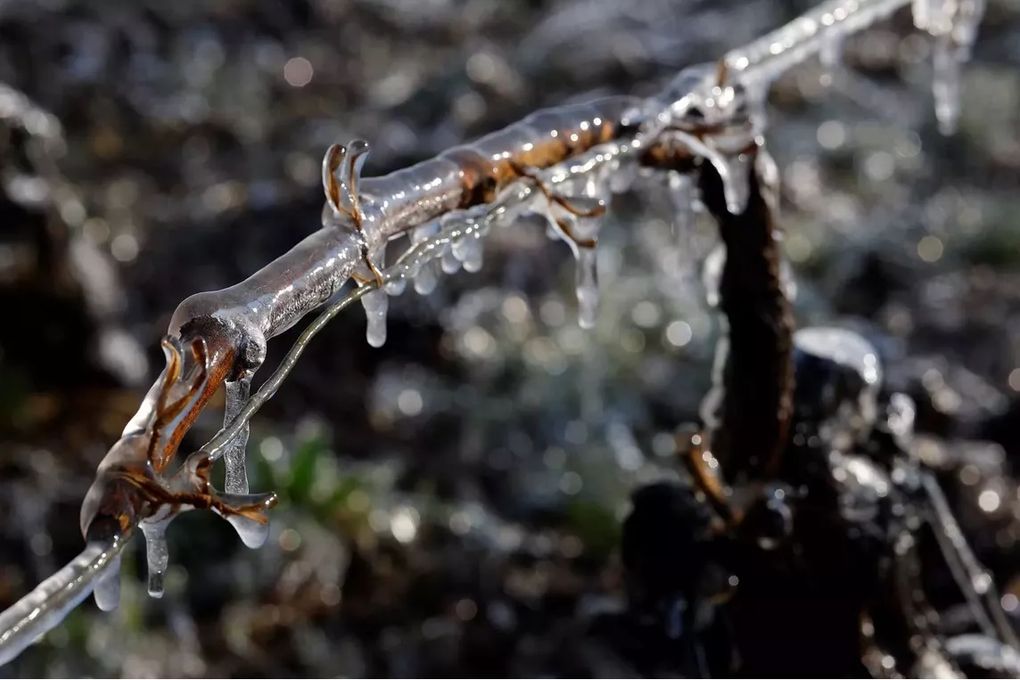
x: 451, y: 503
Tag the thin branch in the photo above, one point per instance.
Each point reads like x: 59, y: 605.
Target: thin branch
x: 51, y: 600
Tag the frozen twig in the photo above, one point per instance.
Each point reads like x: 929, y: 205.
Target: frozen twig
x: 562, y: 163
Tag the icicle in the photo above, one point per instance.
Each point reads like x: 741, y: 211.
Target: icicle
x: 921, y: 11
x: 830, y: 54
x: 955, y: 33
x: 683, y: 194
x: 426, y: 279
x: 733, y: 169
x: 968, y: 18
x: 157, y: 554
x: 473, y: 261
x: 424, y: 232
x: 622, y: 175
x: 107, y: 592
x: 587, y: 287
x: 450, y: 261
x: 946, y: 85
x: 234, y: 453
x: 469, y: 251
x: 736, y: 182
x: 375, y: 303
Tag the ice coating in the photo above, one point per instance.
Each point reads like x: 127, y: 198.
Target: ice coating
x: 468, y: 175
x: 49, y: 602
x: 264, y: 306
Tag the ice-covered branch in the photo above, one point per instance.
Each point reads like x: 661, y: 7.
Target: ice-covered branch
x: 96, y: 568
x: 562, y: 163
